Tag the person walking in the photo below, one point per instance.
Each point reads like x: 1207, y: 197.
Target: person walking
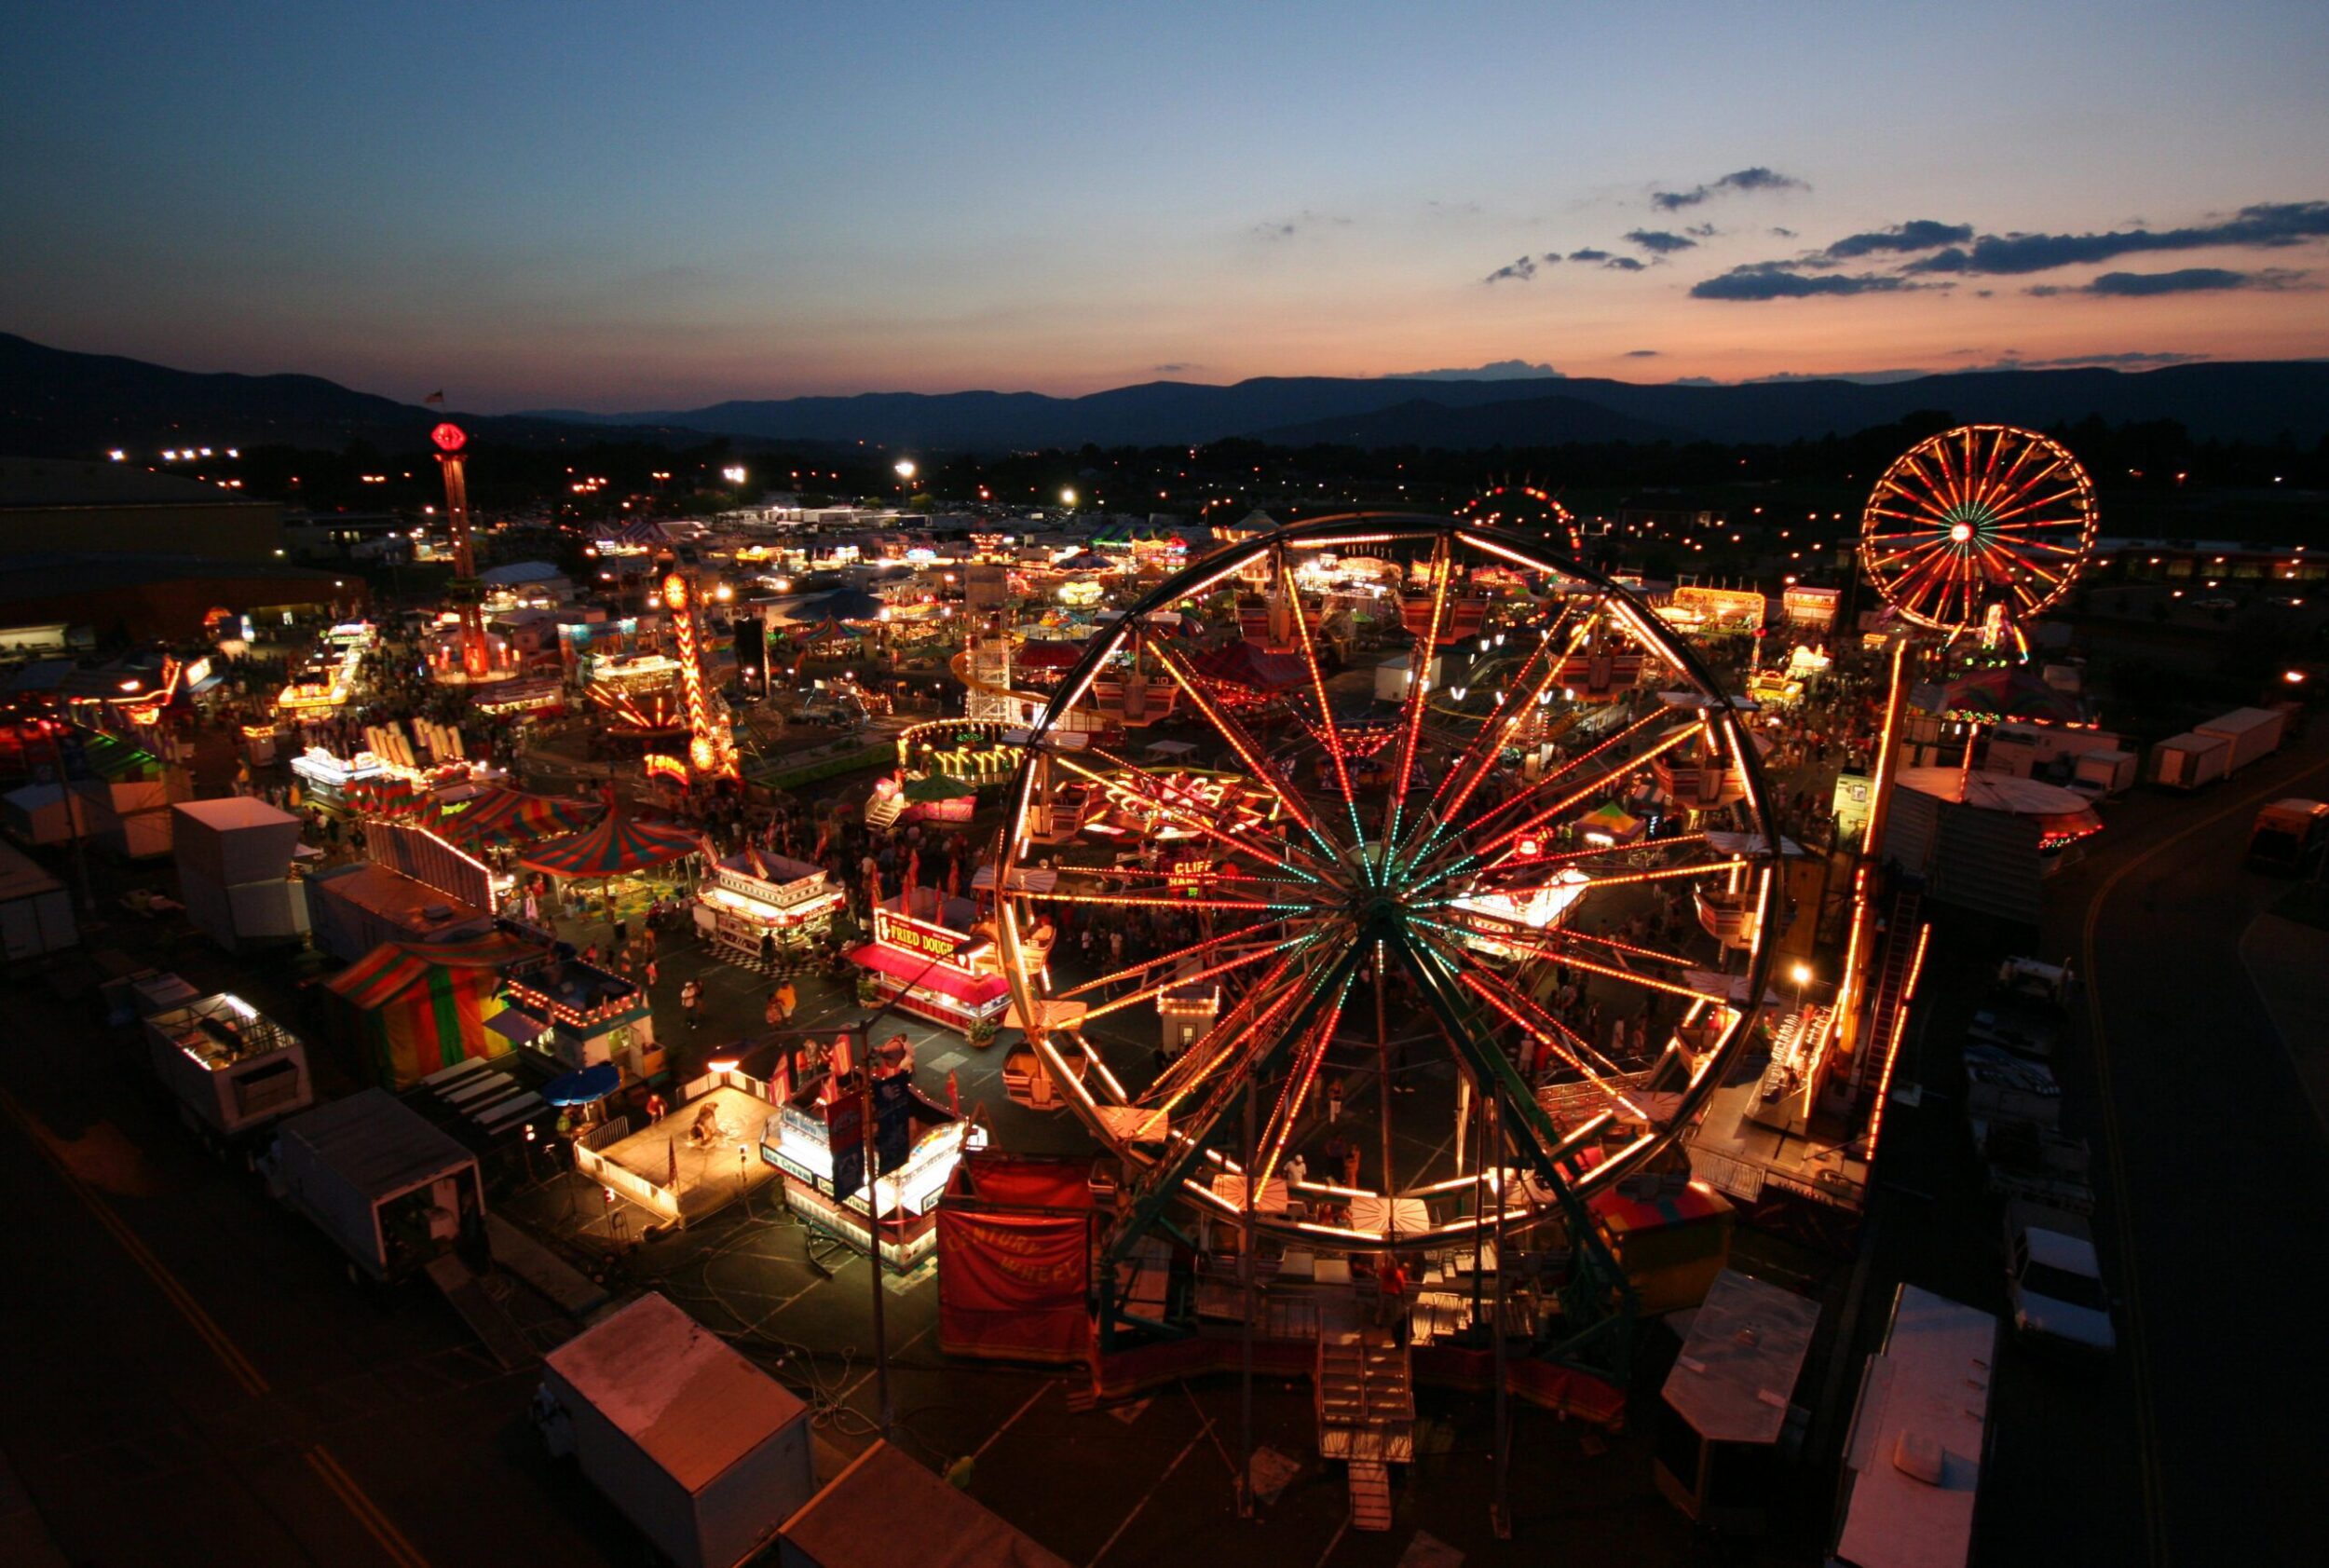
x: 690, y: 999
x: 787, y: 1001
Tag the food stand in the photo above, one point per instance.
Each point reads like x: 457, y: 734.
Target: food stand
x: 925, y: 958
x: 751, y: 900
x: 579, y: 1016
x: 329, y: 780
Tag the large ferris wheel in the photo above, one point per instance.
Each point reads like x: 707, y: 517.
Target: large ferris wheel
x: 1976, y: 524
x: 1560, y: 803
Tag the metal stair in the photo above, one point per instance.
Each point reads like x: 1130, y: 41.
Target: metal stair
x: 1365, y: 1415
x: 1892, y: 981
x: 1370, y: 1495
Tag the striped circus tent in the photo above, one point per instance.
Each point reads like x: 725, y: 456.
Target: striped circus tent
x: 616, y: 847
x: 410, y: 1008
x: 512, y: 816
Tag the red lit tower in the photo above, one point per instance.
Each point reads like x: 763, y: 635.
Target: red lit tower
x: 466, y: 592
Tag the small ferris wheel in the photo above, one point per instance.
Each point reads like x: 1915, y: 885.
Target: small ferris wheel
x: 1529, y: 510
x: 1978, y: 529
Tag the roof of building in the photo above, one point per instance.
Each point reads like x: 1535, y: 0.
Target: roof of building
x: 50, y: 575
x: 376, y: 1143
x: 45, y: 483
x: 1738, y: 1369
x: 691, y: 1402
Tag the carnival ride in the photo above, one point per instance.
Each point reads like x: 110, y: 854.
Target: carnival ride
x: 466, y: 592
x: 1461, y: 867
x: 1970, y: 534
x: 1978, y: 529
x: 1528, y: 511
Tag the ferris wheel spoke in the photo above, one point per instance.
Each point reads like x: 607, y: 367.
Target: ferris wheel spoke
x: 1566, y: 931
x: 1221, y: 1049
x: 1600, y: 782
x: 1187, y: 814
x: 1572, y: 764
x: 1421, y: 652
x: 1575, y: 960
x: 1311, y: 1055
x: 1475, y: 768
x: 1544, y: 1029
x: 2002, y: 516
x: 1228, y: 940
x: 1150, y: 989
x: 1326, y: 708
x: 1254, y: 759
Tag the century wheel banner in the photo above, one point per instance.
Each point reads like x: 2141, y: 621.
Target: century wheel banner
x: 1010, y: 1287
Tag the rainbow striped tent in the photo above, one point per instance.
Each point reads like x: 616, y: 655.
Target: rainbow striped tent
x: 616, y: 847
x: 409, y: 1008
x: 512, y: 816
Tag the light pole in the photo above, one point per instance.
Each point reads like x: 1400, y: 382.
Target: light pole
x: 1800, y: 975
x: 905, y: 472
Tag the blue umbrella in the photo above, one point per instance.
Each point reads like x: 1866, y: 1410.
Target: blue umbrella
x: 586, y: 1088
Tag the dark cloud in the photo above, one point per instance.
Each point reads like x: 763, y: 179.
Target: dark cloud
x: 1755, y: 179
x: 1588, y: 255
x: 2012, y: 359
x: 1643, y: 353
x: 1777, y: 233
x: 2186, y: 281
x: 1761, y: 281
x: 1702, y: 231
x: 1920, y: 234
x: 1175, y: 367
x: 2268, y: 225
x: 1518, y: 271
x: 1285, y: 228
x: 1495, y: 370
x: 1624, y: 264
x: 1660, y: 241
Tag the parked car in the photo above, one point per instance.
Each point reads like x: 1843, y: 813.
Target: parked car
x: 2054, y: 1281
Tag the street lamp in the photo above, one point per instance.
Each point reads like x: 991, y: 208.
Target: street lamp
x: 1068, y: 497
x: 1800, y: 975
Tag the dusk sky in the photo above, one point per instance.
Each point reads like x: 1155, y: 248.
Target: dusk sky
x: 643, y: 206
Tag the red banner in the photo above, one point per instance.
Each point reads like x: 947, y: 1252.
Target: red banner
x: 1012, y: 1286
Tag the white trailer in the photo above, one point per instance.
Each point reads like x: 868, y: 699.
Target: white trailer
x: 2103, y: 773
x: 392, y: 1190
x: 232, y: 1069
x: 235, y: 871
x: 702, y: 1451
x: 1919, y: 1438
x: 35, y: 911
x: 2252, y: 733
x: 2189, y: 760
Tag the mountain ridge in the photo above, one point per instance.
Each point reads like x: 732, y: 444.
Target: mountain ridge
x: 58, y: 402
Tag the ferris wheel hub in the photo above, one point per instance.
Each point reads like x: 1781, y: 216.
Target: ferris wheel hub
x: 1961, y: 534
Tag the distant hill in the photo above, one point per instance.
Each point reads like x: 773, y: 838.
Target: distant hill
x: 1553, y: 421
x: 55, y: 402
x: 2253, y: 400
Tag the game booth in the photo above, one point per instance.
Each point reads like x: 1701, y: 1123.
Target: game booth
x: 817, y: 1140
x: 694, y: 1160
x: 633, y: 863
x: 578, y: 1016
x: 930, y: 958
x: 755, y: 906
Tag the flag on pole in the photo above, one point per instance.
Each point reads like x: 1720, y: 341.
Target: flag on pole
x: 435, y: 397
